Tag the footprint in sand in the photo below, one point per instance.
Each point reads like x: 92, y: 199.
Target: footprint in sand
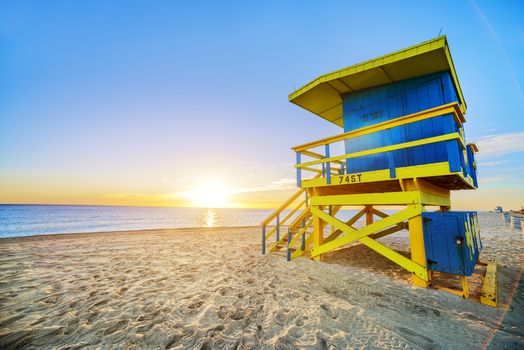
x: 301, y: 320
x: 5, y: 323
x: 195, y: 305
x: 213, y: 331
x: 274, y: 282
x: 417, y: 338
x: 329, y: 311
x: 92, y: 317
x: 208, y: 344
x: 74, y: 304
x: 51, y: 300
x: 222, y: 312
x: 115, y: 327
x: 285, y: 342
x: 225, y: 291
x: 101, y: 303
x: 321, y: 340
x: 238, y: 314
x: 282, y: 319
x: 296, y: 332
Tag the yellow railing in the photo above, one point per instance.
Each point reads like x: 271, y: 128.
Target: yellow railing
x: 327, y: 160
x: 274, y: 219
x: 450, y: 108
x: 294, y: 206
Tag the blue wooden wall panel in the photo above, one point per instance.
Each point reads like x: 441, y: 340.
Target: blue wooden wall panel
x: 382, y: 103
x: 442, y: 231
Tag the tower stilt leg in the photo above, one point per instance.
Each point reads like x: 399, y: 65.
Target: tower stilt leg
x: 369, y: 214
x: 318, y: 234
x: 465, y: 289
x: 418, y: 255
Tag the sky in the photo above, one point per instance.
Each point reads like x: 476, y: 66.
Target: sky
x: 159, y: 103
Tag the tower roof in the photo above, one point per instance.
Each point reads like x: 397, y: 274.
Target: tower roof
x: 322, y: 96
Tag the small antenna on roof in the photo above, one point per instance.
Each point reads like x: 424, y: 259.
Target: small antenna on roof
x: 439, y: 32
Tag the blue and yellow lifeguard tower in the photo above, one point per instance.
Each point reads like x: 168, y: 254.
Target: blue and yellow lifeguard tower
x: 403, y: 147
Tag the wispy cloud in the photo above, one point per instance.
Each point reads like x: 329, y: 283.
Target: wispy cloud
x: 231, y: 197
x: 492, y: 163
x: 492, y: 145
x: 494, y: 179
x: 267, y: 165
x: 140, y: 198
x: 277, y: 185
x: 282, y: 184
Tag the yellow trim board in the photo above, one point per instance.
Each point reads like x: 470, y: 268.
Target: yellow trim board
x: 389, y: 198
x: 417, y: 171
x: 409, y: 172
x: 386, y: 198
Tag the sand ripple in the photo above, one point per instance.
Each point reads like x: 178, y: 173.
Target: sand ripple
x: 211, y: 289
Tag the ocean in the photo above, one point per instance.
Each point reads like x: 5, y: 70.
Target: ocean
x: 31, y: 220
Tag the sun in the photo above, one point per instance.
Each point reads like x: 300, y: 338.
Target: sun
x: 210, y: 194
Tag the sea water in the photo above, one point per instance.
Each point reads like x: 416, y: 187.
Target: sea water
x: 31, y: 220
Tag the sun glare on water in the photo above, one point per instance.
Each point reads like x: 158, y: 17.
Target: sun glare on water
x: 211, y: 194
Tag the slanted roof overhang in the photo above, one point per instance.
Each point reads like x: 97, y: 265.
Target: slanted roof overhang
x: 322, y: 96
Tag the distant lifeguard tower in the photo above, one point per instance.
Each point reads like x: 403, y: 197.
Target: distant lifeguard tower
x: 403, y: 147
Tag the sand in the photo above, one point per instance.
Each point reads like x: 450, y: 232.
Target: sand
x: 212, y: 289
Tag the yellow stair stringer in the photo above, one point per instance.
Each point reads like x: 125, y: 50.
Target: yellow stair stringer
x: 299, y: 252
x: 292, y: 227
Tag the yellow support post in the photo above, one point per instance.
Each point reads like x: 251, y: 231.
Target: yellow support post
x: 369, y: 214
x: 318, y: 232
x: 488, y: 295
x: 465, y: 289
x: 418, y: 253
x: 416, y: 233
x: 330, y: 208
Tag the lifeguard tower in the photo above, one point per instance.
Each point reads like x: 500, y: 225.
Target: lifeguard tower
x: 403, y: 147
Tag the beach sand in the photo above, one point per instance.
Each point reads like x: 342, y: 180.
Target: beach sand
x: 212, y: 289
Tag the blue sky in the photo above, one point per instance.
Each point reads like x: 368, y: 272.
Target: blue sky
x: 102, y: 100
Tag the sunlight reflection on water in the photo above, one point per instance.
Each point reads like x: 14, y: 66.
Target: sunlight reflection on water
x: 210, y: 217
